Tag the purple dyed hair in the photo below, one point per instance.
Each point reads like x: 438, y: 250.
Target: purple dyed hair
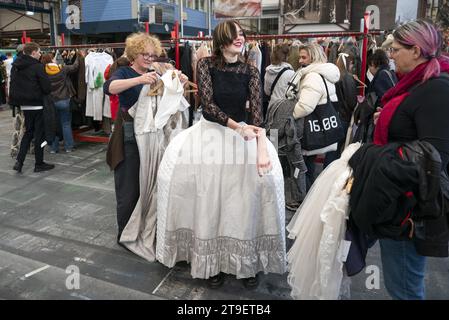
x: 426, y: 36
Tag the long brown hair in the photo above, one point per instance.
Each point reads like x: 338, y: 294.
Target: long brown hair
x: 224, y: 34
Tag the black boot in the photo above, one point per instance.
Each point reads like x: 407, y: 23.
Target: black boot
x: 216, y: 281
x: 43, y: 167
x: 18, y: 166
x: 251, y: 283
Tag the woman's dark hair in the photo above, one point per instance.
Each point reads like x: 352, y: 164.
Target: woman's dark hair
x: 47, y: 58
x: 378, y: 58
x: 280, y: 53
x: 224, y: 34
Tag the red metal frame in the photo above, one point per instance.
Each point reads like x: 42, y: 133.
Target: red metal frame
x: 78, y: 136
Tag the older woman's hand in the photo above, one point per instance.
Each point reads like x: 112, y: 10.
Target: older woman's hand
x: 182, y: 77
x: 148, y: 78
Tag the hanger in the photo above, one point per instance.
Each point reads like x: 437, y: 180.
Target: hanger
x: 159, y: 85
x: 357, y: 79
x: 193, y: 87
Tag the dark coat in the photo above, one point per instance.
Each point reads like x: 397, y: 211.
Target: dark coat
x: 61, y: 84
x: 382, y: 83
x: 378, y: 200
x: 346, y: 90
x: 397, y: 194
x: 29, y: 82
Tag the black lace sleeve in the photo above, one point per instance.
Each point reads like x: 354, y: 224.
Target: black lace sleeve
x: 255, y: 102
x: 205, y: 90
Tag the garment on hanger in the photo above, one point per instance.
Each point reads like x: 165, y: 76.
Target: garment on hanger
x: 186, y: 60
x: 96, y: 101
x: 315, y: 260
x: 154, y: 128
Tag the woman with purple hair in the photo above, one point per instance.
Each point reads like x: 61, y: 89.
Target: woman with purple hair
x: 417, y: 108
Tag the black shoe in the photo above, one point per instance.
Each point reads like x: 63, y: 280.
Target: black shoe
x: 216, y: 281
x: 251, y: 283
x: 43, y: 167
x: 292, y: 206
x: 18, y: 167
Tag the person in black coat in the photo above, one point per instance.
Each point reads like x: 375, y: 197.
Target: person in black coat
x: 384, y: 78
x: 29, y: 85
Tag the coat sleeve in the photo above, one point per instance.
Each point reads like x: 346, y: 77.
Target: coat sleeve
x: 72, y: 68
x: 382, y: 84
x: 44, y: 80
x: 310, y: 93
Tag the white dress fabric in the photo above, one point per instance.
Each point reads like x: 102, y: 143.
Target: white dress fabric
x: 140, y: 231
x: 214, y: 211
x: 315, y: 261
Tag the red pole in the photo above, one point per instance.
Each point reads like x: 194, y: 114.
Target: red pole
x: 178, y: 66
x: 62, y: 39
x: 24, y: 37
x: 147, y: 27
x: 364, y: 51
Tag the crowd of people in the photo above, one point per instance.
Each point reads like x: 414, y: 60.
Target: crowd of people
x: 228, y: 217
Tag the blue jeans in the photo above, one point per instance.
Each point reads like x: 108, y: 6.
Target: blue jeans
x: 65, y: 117
x: 403, y: 269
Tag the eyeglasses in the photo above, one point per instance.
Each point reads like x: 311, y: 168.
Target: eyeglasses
x: 148, y: 56
x: 396, y: 50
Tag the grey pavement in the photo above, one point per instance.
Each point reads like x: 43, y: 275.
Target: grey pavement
x: 61, y: 221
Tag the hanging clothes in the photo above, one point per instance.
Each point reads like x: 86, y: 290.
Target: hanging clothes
x: 315, y: 260
x: 157, y: 120
x: 96, y: 101
x: 186, y: 60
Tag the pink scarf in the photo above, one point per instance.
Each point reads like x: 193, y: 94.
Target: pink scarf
x: 396, y: 95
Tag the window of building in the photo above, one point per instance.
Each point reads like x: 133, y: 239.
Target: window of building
x: 201, y: 5
x: 189, y: 4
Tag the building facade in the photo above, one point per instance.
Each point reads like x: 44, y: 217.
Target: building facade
x: 113, y: 20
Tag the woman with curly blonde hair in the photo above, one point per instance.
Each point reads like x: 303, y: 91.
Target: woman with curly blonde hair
x: 123, y: 152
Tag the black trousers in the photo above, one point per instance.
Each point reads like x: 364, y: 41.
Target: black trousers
x: 310, y: 174
x: 127, y: 189
x: 34, y: 127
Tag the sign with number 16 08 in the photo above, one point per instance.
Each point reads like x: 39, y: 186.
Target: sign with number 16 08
x: 327, y: 124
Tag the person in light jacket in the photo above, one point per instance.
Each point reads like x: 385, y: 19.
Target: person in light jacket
x: 278, y: 64
x: 312, y: 91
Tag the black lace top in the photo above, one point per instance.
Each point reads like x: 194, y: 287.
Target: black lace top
x: 232, y: 91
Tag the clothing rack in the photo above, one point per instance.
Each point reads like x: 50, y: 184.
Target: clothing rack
x: 79, y: 134
x: 342, y: 34
x: 176, y: 40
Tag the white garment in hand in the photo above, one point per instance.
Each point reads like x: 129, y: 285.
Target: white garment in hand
x: 172, y: 100
x: 315, y: 261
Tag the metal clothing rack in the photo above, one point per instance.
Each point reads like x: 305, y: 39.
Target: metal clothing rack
x: 176, y: 39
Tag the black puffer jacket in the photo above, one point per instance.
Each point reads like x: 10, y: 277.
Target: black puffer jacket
x: 29, y: 82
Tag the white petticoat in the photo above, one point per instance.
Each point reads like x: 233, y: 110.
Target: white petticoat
x: 315, y: 261
x: 214, y: 211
